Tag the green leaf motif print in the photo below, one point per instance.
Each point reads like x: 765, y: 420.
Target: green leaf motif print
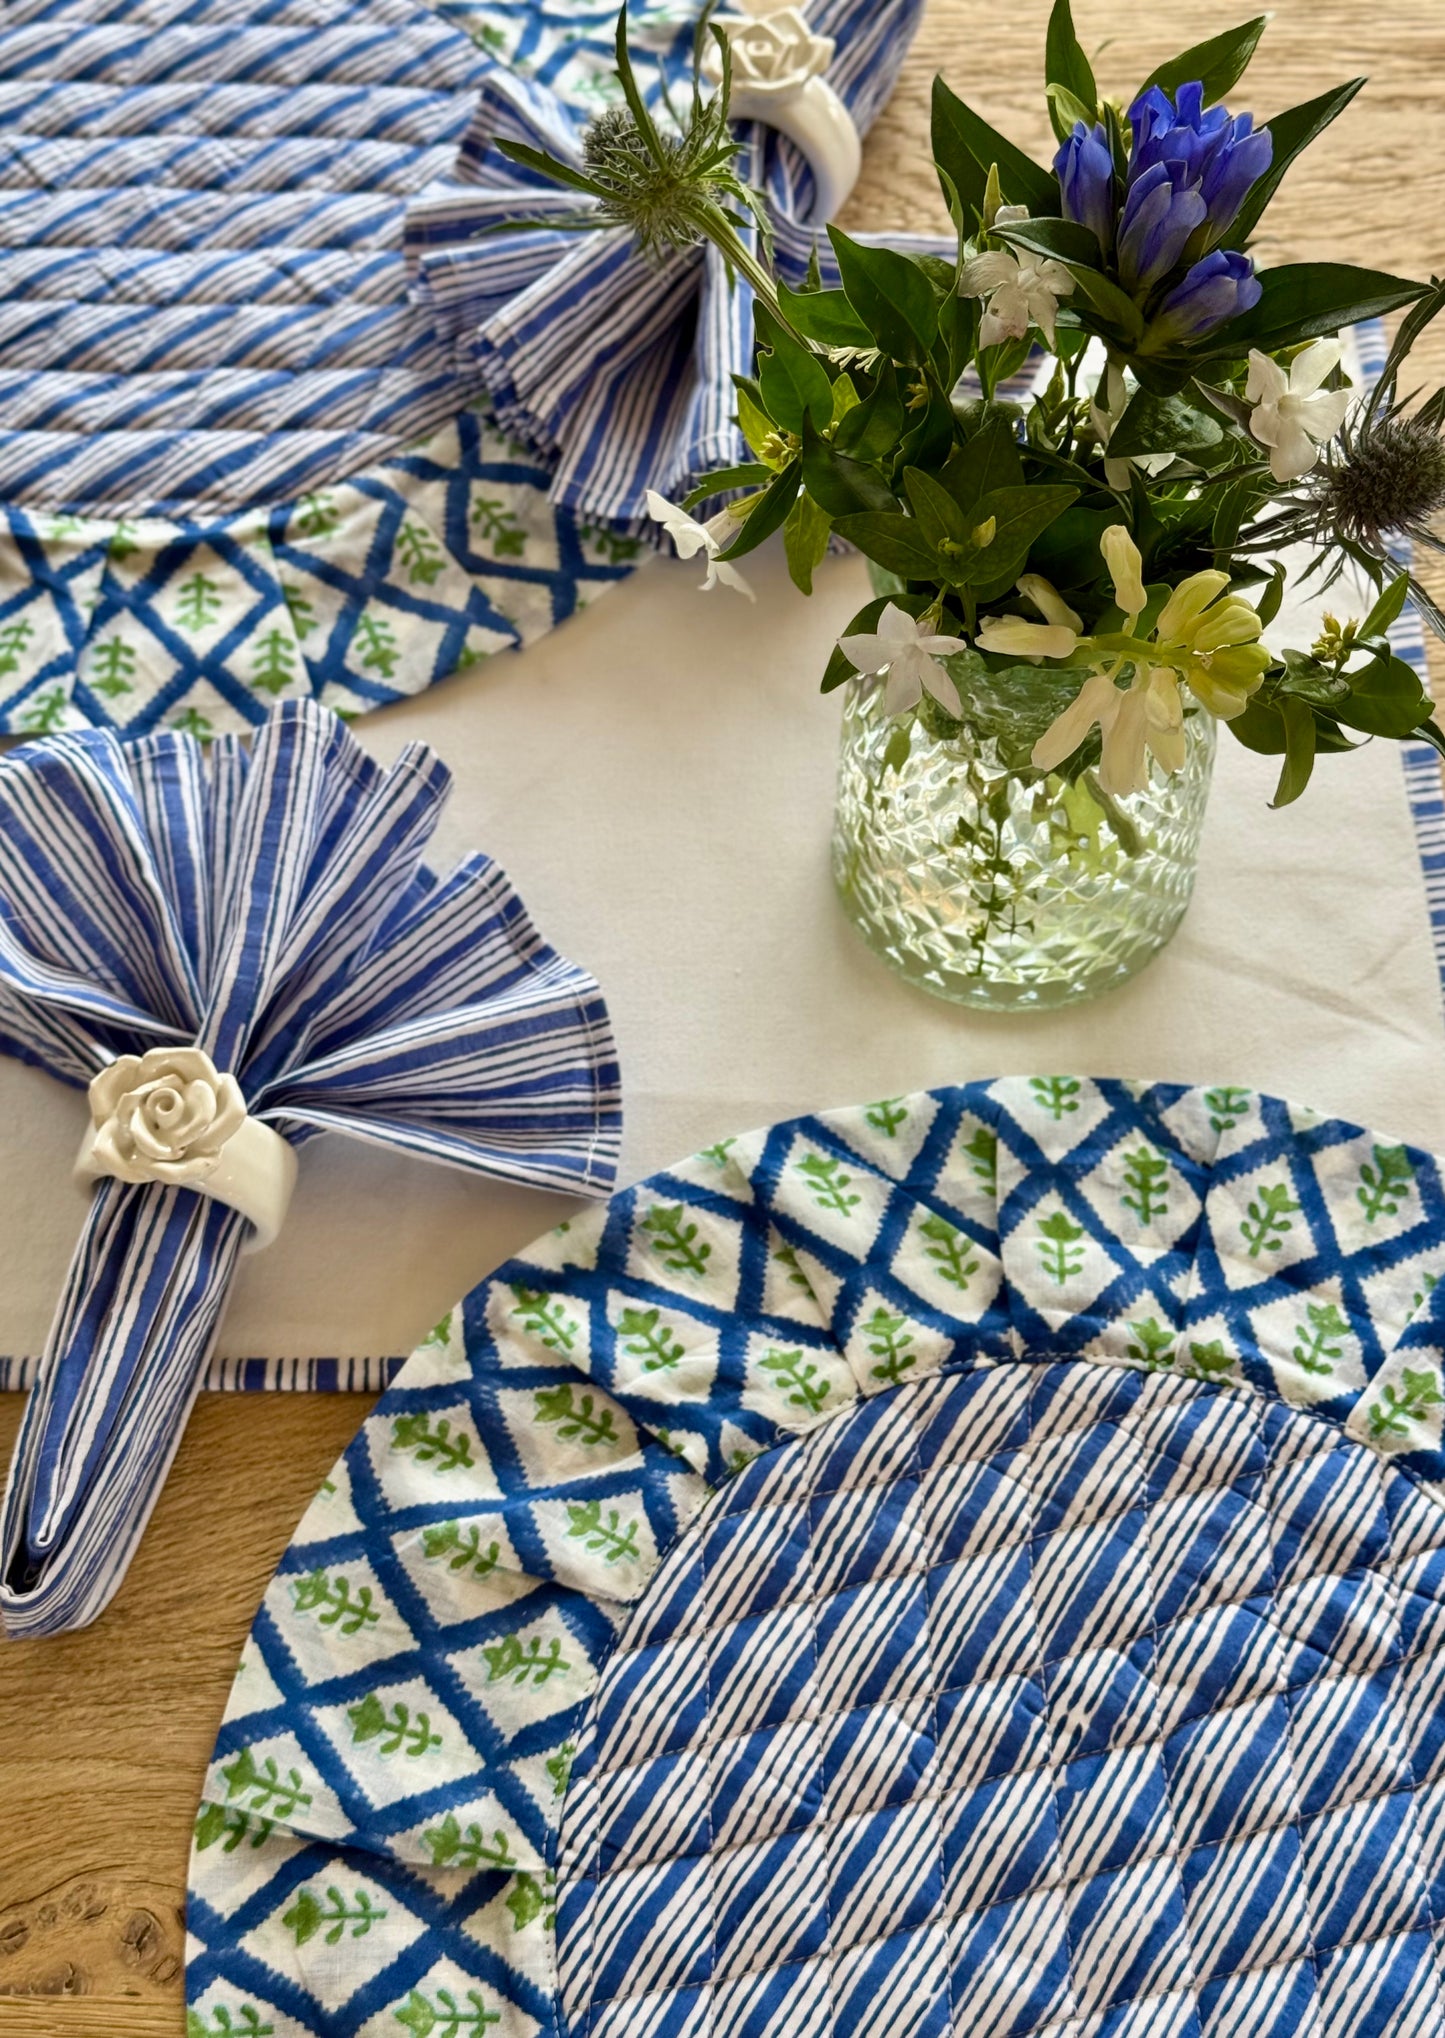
x: 828, y: 1182
x: 1398, y: 1407
x: 331, y: 1599
x: 543, y: 1315
x: 198, y: 603
x: 798, y: 1377
x: 645, y: 1336
x: 1058, y: 1249
x: 532, y: 1664
x: 1057, y: 1095
x: 1269, y: 1218
x: 444, y: 1449
x: 1151, y: 1344
x: 675, y: 1240
x: 1317, y: 1343
x: 1146, y: 1184
x: 443, y: 2017
x: 422, y: 559
x: 394, y: 1730
x: 1226, y: 1107
x: 229, y: 1825
x: 579, y: 1419
x: 451, y: 1847
x: 264, y: 1786
x: 444, y: 1542
x: 1384, y: 1187
x: 245, y: 2021
x: 980, y: 1150
x: 887, y: 1116
x: 950, y: 1250
x: 308, y: 1915
x: 616, y: 1545
x: 888, y: 1338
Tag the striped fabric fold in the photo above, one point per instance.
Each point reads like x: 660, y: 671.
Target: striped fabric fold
x: 619, y: 370
x: 273, y: 909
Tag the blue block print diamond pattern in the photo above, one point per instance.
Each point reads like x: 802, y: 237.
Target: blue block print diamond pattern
x: 968, y: 1565
x: 238, y: 463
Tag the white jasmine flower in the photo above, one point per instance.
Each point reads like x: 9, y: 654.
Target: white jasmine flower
x: 1022, y: 289
x: 1293, y: 415
x: 1134, y: 721
x: 690, y: 537
x: 1205, y: 636
x: 909, y: 655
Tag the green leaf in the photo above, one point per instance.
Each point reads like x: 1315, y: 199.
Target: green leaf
x: 794, y: 382
x: 1019, y: 516
x: 724, y: 479
x: 842, y: 487
x: 1303, y: 300
x: 1065, y: 64
x: 1217, y: 64
x: 988, y: 459
x: 825, y: 316
x: 941, y: 519
x: 1268, y: 604
x: 551, y: 167
x: 1386, y: 699
x: 1260, y: 728
x: 895, y: 541
x: 1299, y: 749
x: 753, y: 421
x: 1062, y: 239
x: 890, y: 294
x: 805, y: 540
x: 771, y: 508
x: 1387, y: 608
x: 872, y: 429
x: 1292, y: 132
x: 1162, y: 424
x: 965, y: 146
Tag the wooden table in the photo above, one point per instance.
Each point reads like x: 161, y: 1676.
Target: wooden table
x: 104, y: 1735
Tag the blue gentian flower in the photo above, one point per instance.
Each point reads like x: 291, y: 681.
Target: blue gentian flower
x: 1218, y: 152
x: 1085, y: 170
x: 1160, y: 215
x: 1220, y: 286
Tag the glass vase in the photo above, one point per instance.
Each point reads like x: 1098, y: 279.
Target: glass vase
x: 987, y: 882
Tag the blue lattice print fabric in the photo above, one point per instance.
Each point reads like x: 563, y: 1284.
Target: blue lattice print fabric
x: 239, y: 464
x: 969, y: 1565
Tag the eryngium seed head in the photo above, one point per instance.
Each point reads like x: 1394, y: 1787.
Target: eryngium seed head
x: 1387, y: 477
x: 658, y: 201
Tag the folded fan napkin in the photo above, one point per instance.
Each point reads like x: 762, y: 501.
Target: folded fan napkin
x: 272, y: 909
x: 616, y: 369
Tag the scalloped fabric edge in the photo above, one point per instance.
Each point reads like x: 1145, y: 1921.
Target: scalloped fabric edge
x: 398, y: 1740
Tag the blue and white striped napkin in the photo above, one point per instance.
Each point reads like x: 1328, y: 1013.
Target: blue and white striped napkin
x: 272, y: 908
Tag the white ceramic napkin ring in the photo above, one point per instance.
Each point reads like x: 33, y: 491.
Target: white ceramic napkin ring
x: 170, y: 1115
x: 777, y: 64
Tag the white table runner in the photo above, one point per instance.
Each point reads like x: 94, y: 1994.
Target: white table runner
x: 658, y: 778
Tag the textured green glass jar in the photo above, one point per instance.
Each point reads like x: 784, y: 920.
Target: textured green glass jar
x: 996, y: 887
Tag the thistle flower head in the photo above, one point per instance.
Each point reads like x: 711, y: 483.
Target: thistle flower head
x: 1386, y: 476
x: 661, y: 184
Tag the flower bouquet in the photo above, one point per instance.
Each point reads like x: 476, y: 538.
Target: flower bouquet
x: 1073, y: 446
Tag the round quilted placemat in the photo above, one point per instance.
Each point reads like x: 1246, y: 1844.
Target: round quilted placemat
x: 238, y: 461
x: 969, y: 1565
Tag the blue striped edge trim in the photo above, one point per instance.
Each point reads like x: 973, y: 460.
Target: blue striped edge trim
x: 252, y: 1376
x: 1424, y: 787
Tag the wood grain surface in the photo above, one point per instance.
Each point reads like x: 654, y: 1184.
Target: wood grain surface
x: 104, y: 1735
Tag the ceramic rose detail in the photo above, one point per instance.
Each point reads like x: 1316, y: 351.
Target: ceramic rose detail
x: 774, y: 51
x: 163, y: 1116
